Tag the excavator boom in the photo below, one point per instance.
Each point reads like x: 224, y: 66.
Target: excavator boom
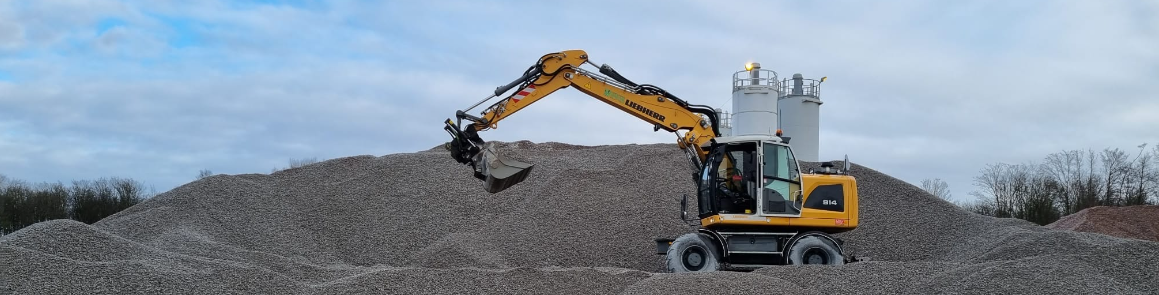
x: 560, y: 70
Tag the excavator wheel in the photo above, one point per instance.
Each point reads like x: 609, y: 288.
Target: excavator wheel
x: 693, y: 252
x: 814, y: 249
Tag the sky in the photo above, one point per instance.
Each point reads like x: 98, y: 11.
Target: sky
x: 160, y: 90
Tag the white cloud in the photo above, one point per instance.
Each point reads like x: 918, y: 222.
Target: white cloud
x: 11, y: 34
x: 917, y: 89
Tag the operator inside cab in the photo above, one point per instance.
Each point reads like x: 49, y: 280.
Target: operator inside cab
x: 738, y: 167
x: 773, y: 173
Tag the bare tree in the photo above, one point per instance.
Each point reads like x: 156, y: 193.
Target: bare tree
x: 937, y: 187
x: 1091, y: 187
x: 5, y: 226
x: 982, y: 204
x: 1025, y: 191
x: 1064, y: 167
x: 1113, y: 160
x: 1021, y: 184
x: 128, y: 192
x: 1066, y: 182
x: 204, y: 173
x: 296, y: 163
x: 996, y: 184
x: 1146, y: 177
x: 1036, y: 202
x: 1076, y: 171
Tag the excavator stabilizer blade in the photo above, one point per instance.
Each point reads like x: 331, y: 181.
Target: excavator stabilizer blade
x: 501, y: 172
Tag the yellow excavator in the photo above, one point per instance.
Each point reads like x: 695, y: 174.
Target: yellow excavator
x: 756, y: 207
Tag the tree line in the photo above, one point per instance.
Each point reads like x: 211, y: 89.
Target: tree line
x: 23, y: 204
x: 1062, y: 183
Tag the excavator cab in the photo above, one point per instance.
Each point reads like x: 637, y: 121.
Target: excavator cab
x: 750, y: 176
x: 729, y: 182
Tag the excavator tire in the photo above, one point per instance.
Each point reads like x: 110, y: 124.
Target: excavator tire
x: 693, y: 252
x: 814, y: 249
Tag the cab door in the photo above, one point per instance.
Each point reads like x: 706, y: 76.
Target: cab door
x: 707, y: 183
x: 780, y: 180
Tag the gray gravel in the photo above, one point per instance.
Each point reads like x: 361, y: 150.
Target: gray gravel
x: 583, y: 222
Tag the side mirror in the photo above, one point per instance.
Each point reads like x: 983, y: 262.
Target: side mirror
x: 846, y: 168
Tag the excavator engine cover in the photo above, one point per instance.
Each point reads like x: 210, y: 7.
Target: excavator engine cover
x: 499, y: 173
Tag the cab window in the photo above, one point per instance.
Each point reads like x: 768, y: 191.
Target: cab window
x: 781, y: 181
x: 779, y: 163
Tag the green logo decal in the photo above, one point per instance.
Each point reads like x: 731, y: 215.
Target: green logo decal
x: 613, y: 95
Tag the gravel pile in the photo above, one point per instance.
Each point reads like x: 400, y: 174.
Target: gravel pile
x: 1133, y: 222
x: 583, y: 222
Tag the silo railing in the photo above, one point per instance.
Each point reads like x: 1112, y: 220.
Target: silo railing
x: 725, y: 119
x: 810, y: 87
x: 763, y: 78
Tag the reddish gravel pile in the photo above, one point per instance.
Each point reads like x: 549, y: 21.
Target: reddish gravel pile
x: 1134, y: 222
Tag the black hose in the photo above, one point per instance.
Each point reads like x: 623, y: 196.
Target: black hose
x: 608, y: 70
x: 649, y: 89
x: 708, y: 112
x: 527, y: 75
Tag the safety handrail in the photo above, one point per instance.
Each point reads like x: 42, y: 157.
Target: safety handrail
x: 809, y: 87
x: 763, y: 78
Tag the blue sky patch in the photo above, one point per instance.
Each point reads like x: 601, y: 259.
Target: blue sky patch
x: 184, y: 31
x: 106, y: 24
x: 312, y: 4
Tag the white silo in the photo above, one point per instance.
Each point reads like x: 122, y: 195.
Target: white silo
x: 754, y: 101
x: 725, y: 119
x: 800, y: 110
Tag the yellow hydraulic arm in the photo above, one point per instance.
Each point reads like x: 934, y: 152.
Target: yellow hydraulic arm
x: 560, y: 70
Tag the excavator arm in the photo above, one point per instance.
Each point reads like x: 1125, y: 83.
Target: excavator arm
x: 555, y: 71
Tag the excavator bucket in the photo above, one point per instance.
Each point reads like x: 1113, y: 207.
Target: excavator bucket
x: 500, y: 173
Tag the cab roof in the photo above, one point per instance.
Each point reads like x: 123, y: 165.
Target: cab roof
x: 747, y: 138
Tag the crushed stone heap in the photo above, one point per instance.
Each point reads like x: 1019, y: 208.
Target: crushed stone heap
x: 582, y: 223
x: 1133, y: 222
